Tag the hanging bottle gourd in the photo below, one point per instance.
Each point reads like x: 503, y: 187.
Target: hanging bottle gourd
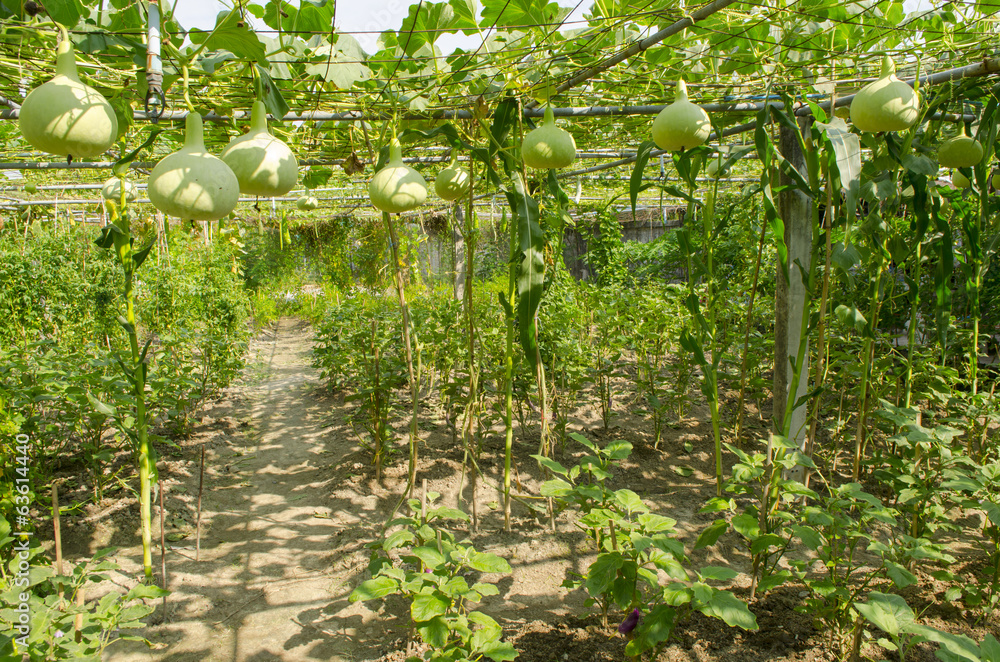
x: 548, y: 146
x: 306, y: 203
x: 960, y: 151
x: 959, y: 180
x: 397, y: 187
x: 888, y: 104
x: 112, y: 190
x: 64, y: 116
x: 453, y: 182
x: 191, y: 183
x: 263, y: 164
x: 682, y: 124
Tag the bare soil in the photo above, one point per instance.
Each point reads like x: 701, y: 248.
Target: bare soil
x: 290, y: 501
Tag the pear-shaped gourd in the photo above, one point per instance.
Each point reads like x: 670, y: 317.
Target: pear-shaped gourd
x: 307, y: 203
x: 397, y: 187
x: 714, y: 168
x: 66, y: 117
x: 959, y: 180
x: 548, y: 146
x: 191, y: 183
x: 888, y: 104
x: 960, y: 151
x: 112, y: 190
x: 681, y: 125
x: 263, y: 164
x: 453, y: 182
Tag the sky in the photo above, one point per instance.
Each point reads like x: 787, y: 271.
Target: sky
x: 374, y: 16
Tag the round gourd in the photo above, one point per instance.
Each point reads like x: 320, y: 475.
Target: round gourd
x: 307, y: 203
x: 191, y: 183
x: 397, y: 187
x: 714, y: 168
x: 682, y: 124
x: 959, y: 180
x: 263, y: 165
x: 995, y: 180
x: 66, y: 117
x: 112, y: 190
x: 888, y: 104
x: 31, y: 188
x: 453, y: 182
x: 548, y: 146
x: 960, y: 151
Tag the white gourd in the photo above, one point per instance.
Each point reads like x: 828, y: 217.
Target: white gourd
x: 548, y: 146
x: 191, y: 183
x: 64, y: 116
x: 397, y: 187
x: 263, y: 165
x: 888, y: 104
x: 682, y: 124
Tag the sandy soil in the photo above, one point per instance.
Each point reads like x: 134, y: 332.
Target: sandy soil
x: 290, y: 501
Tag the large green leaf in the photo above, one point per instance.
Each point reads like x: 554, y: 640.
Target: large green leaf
x: 427, y: 606
x: 231, y: 34
x: 730, y: 609
x: 531, y: 269
x: 887, y: 612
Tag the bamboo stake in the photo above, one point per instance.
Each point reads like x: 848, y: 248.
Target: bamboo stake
x: 163, y: 552
x: 201, y: 484
x: 57, y: 534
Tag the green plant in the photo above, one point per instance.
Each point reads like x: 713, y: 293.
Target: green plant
x: 431, y: 575
x: 895, y: 618
x: 838, y: 530
x: 634, y: 546
x: 51, y: 601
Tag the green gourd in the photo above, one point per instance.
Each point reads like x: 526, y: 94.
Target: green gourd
x: 306, y: 203
x: 263, y: 164
x: 888, y: 104
x: 960, y: 151
x: 191, y: 183
x: 682, y: 124
x: 64, y: 116
x: 959, y: 180
x: 453, y: 182
x: 397, y: 187
x: 548, y: 146
x: 112, y: 190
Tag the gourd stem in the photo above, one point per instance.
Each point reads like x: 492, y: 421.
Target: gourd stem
x: 550, y: 116
x: 258, y: 117
x: 187, y: 98
x: 194, y: 136
x: 65, y: 58
x: 682, y: 91
x: 395, y: 151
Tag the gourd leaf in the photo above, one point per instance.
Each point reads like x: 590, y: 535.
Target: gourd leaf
x: 268, y: 92
x: 531, y: 270
x: 231, y: 34
x: 65, y: 12
x: 635, y: 183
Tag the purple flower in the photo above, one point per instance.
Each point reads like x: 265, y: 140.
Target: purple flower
x: 630, y: 622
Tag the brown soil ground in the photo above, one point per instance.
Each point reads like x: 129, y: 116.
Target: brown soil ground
x: 290, y: 501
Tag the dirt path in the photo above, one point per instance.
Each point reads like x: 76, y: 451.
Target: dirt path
x: 273, y: 579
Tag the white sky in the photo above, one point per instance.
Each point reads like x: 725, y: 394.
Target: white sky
x: 375, y: 16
